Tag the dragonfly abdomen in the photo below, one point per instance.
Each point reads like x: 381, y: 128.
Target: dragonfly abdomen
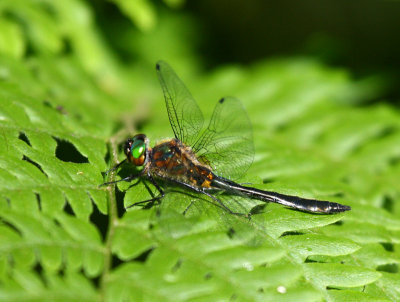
x: 303, y: 204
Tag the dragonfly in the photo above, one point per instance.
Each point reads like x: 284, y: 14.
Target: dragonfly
x: 204, y: 159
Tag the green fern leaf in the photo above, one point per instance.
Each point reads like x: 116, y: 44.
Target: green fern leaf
x: 64, y: 238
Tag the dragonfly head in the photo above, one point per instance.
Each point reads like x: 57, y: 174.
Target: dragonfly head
x: 136, y: 149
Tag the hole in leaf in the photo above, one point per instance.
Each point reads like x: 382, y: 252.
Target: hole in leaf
x: 308, y: 260
x: 392, y: 268
x: 332, y: 288
x: 177, y: 265
x: 39, y: 202
x: 388, y: 246
x: 11, y: 226
x: 268, y: 180
x: 258, y: 209
x: 99, y: 220
x: 208, y: 276
x: 8, y: 201
x: 119, y: 197
x: 231, y: 232
x: 96, y: 281
x: 57, y: 223
x: 67, y: 49
x: 61, y: 271
x: 107, y: 158
x: 67, y: 152
x: 143, y: 256
x: 46, y: 103
x: 24, y: 138
x: 39, y: 270
x: 338, y: 194
x: 26, y: 158
x: 388, y: 204
x: 67, y: 208
x: 115, y: 261
x: 291, y: 233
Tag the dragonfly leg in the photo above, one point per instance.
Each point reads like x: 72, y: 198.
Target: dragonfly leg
x: 160, y: 190
x: 220, y: 203
x: 128, y: 178
x: 224, y: 206
x: 144, y: 201
x: 115, y: 167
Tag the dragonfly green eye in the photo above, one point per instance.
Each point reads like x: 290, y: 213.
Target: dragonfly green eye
x: 135, y: 149
x: 138, y: 148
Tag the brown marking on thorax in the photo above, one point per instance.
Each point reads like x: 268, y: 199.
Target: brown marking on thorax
x: 172, y: 159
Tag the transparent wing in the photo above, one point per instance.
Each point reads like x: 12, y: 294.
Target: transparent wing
x: 186, y: 212
x: 227, y: 143
x: 184, y: 114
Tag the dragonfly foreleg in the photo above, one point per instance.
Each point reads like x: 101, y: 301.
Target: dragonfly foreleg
x: 115, y: 167
x: 160, y: 190
x: 128, y: 178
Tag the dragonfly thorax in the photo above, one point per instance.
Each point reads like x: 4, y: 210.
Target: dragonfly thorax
x: 171, y: 159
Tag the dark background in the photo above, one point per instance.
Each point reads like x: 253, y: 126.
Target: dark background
x: 360, y: 36
x: 363, y: 36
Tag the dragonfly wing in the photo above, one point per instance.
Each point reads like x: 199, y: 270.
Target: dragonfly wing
x: 227, y: 143
x: 184, y: 114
